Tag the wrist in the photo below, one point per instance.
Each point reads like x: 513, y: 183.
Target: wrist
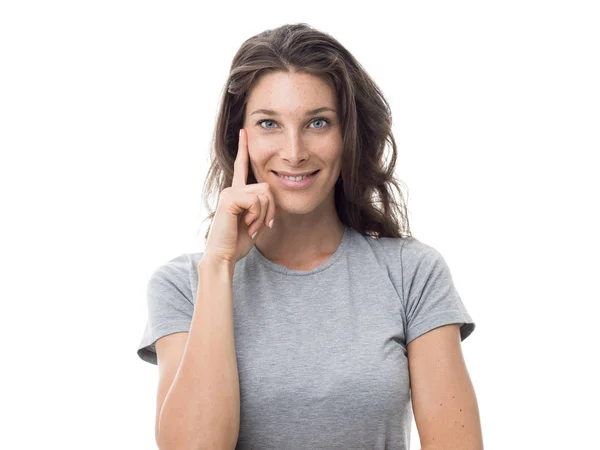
x: 215, y: 264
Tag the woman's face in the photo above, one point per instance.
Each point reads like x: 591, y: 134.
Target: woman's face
x: 290, y: 138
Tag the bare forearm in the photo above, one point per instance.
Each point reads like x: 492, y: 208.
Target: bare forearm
x: 457, y: 446
x: 202, y: 408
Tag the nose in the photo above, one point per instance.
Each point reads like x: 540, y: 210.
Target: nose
x: 294, y: 151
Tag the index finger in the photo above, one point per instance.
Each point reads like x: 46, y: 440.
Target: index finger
x: 240, y: 166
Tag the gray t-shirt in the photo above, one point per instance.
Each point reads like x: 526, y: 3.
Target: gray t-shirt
x: 321, y: 354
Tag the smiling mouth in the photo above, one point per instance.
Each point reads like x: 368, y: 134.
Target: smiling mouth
x: 310, y: 174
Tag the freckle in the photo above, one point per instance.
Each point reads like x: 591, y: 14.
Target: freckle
x: 463, y: 426
x: 440, y: 404
x: 461, y: 409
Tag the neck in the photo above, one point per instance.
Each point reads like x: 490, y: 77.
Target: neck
x: 301, y: 242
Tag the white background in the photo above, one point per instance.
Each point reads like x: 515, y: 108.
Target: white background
x: 106, y: 115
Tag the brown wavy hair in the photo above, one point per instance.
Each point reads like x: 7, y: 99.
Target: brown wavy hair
x: 364, y: 198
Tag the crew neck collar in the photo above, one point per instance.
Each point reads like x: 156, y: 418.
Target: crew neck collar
x: 257, y: 256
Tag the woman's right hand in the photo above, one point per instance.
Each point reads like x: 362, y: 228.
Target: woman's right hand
x: 241, y: 211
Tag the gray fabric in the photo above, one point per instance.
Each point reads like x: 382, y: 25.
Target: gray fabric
x: 321, y: 354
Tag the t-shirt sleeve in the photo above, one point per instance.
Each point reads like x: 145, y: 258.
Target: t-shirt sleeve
x: 170, y: 304
x: 430, y: 297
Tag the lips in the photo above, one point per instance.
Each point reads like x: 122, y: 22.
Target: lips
x: 276, y: 173
x: 303, y: 183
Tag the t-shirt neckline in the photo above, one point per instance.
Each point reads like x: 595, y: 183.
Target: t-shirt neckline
x: 258, y: 256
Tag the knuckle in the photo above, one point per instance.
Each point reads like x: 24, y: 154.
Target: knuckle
x: 223, y: 198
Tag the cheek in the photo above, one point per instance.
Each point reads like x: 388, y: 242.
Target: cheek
x: 261, y: 148
x: 258, y: 158
x: 262, y: 145
x: 331, y: 153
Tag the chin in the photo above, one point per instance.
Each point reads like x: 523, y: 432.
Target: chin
x: 299, y: 207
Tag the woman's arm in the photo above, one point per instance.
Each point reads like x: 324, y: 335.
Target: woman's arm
x: 443, y: 398
x: 202, y: 408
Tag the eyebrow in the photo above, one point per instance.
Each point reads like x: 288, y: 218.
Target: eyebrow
x: 308, y: 113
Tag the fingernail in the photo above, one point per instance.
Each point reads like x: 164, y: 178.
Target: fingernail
x: 271, y: 223
x: 254, y: 235
x: 240, y: 132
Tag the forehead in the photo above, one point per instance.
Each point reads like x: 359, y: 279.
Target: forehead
x: 290, y: 93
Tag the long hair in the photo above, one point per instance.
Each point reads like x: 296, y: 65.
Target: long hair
x: 364, y: 198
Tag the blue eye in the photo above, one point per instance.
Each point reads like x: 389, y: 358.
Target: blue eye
x: 260, y: 122
x: 321, y: 119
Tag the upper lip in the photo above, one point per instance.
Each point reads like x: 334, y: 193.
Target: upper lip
x: 288, y: 174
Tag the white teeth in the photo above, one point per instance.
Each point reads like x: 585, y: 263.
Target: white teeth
x: 294, y: 178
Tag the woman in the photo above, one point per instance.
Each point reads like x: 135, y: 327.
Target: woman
x: 313, y: 319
